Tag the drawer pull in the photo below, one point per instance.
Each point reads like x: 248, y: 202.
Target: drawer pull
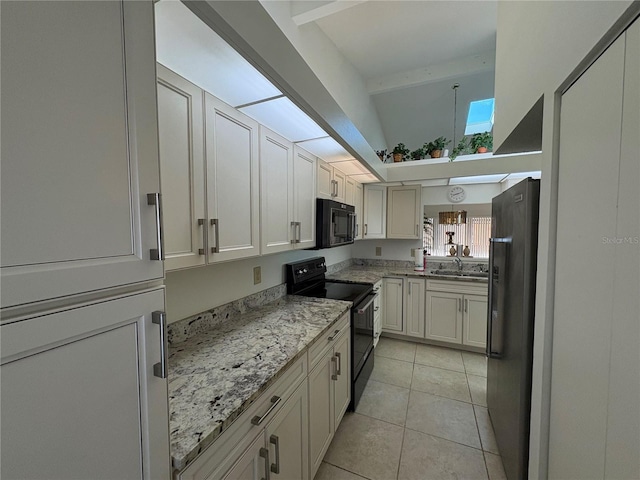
x: 275, y: 467
x: 264, y: 453
x: 275, y: 400
x: 333, y: 337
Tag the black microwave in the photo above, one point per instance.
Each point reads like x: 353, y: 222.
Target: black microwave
x: 335, y: 223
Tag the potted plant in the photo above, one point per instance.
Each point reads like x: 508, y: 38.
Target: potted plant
x: 418, y: 154
x: 481, y: 142
x: 461, y: 148
x: 400, y: 153
x: 435, y: 147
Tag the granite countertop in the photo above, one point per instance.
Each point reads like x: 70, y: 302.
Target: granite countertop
x: 216, y: 375
x: 366, y: 274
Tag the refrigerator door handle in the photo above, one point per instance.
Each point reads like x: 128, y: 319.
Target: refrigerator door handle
x: 493, y: 277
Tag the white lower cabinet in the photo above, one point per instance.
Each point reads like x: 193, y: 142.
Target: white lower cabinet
x: 378, y: 304
x: 456, y: 312
x: 414, y: 307
x: 392, y: 320
x: 285, y: 433
x: 329, y: 394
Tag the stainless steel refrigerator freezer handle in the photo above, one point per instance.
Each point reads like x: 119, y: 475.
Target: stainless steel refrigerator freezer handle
x: 489, y: 349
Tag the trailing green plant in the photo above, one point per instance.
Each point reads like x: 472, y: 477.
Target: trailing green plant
x: 437, y: 144
x: 418, y: 154
x: 461, y: 148
x: 382, y: 154
x: 479, y: 140
x: 400, y: 149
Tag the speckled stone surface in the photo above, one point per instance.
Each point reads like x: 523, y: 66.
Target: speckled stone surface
x: 216, y: 375
x: 184, y: 329
x: 367, y: 274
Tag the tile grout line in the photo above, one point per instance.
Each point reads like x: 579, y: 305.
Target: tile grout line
x: 406, y: 414
x: 345, y: 469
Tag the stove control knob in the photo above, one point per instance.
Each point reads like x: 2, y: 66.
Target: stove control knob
x: 304, y: 271
x: 299, y: 272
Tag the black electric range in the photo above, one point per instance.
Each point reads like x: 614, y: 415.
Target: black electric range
x: 307, y: 278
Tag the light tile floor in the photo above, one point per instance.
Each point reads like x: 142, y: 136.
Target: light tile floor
x: 423, y: 416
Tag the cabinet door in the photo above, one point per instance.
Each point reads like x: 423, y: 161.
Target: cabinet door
x: 392, y: 305
x: 79, y: 396
x: 321, y: 411
x: 340, y: 181
x: 288, y: 438
x: 304, y: 197
x: 414, y: 307
x: 232, y: 182
x: 444, y: 317
x: 342, y: 379
x: 375, y: 211
x: 404, y: 212
x: 79, y: 148
x: 325, y: 188
x: 181, y: 136
x: 475, y: 320
x: 358, y: 199
x: 253, y: 463
x: 276, y: 192
x: 349, y: 191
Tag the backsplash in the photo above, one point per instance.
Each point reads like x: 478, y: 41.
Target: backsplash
x: 475, y: 266
x: 182, y: 330
x: 380, y: 263
x: 339, y: 266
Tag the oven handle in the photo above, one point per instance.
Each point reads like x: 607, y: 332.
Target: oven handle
x: 360, y: 310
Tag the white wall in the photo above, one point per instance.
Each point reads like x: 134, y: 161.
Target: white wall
x: 538, y: 45
x: 419, y: 114
x: 195, y: 290
x: 391, y: 249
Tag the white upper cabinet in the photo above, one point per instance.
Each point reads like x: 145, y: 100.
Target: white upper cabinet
x: 358, y: 199
x: 232, y: 182
x: 375, y: 211
x: 304, y: 197
x: 181, y: 132
x: 331, y: 182
x: 278, y: 229
x: 349, y: 191
x: 79, y: 148
x: 404, y: 212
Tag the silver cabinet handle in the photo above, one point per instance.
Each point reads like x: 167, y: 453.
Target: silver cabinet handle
x: 339, y: 362
x: 333, y: 337
x: 417, y: 227
x: 298, y: 238
x: 293, y: 228
x: 365, y: 229
x: 376, y: 309
x: 459, y: 304
x: 156, y: 200
x: 466, y: 305
x: 215, y: 222
x: 201, y: 222
x: 275, y: 467
x: 275, y: 400
x: 357, y: 232
x: 160, y: 368
x: 334, y: 376
x: 264, y: 453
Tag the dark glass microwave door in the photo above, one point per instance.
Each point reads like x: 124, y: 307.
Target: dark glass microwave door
x: 341, y: 226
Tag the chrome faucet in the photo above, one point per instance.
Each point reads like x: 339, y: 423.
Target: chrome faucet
x: 458, y: 260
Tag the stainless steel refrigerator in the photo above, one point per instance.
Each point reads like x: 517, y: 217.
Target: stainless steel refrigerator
x: 512, y: 282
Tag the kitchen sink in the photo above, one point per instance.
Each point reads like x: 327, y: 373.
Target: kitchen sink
x: 458, y: 273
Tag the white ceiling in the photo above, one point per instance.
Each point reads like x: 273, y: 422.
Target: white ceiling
x: 384, y: 37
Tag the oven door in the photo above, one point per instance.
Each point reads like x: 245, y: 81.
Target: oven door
x: 362, y: 332
x: 342, y: 227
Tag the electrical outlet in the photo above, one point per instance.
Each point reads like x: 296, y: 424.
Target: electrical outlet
x: 378, y: 251
x: 257, y: 275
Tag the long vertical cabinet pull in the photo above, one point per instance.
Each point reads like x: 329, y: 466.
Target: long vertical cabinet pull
x: 155, y: 199
x: 299, y: 237
x: 160, y: 368
x: 264, y: 453
x: 466, y: 305
x: 293, y: 230
x: 202, y: 222
x: 216, y: 224
x: 275, y: 467
x: 334, y: 376
x: 339, y: 363
x: 365, y: 230
x: 459, y: 304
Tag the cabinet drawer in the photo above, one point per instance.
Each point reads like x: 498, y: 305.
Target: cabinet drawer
x: 327, y: 340
x: 213, y: 462
x: 453, y: 286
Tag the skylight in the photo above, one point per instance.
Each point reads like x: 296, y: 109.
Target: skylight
x: 480, y: 118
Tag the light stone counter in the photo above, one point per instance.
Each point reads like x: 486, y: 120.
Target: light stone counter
x: 215, y: 375
x: 366, y: 274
